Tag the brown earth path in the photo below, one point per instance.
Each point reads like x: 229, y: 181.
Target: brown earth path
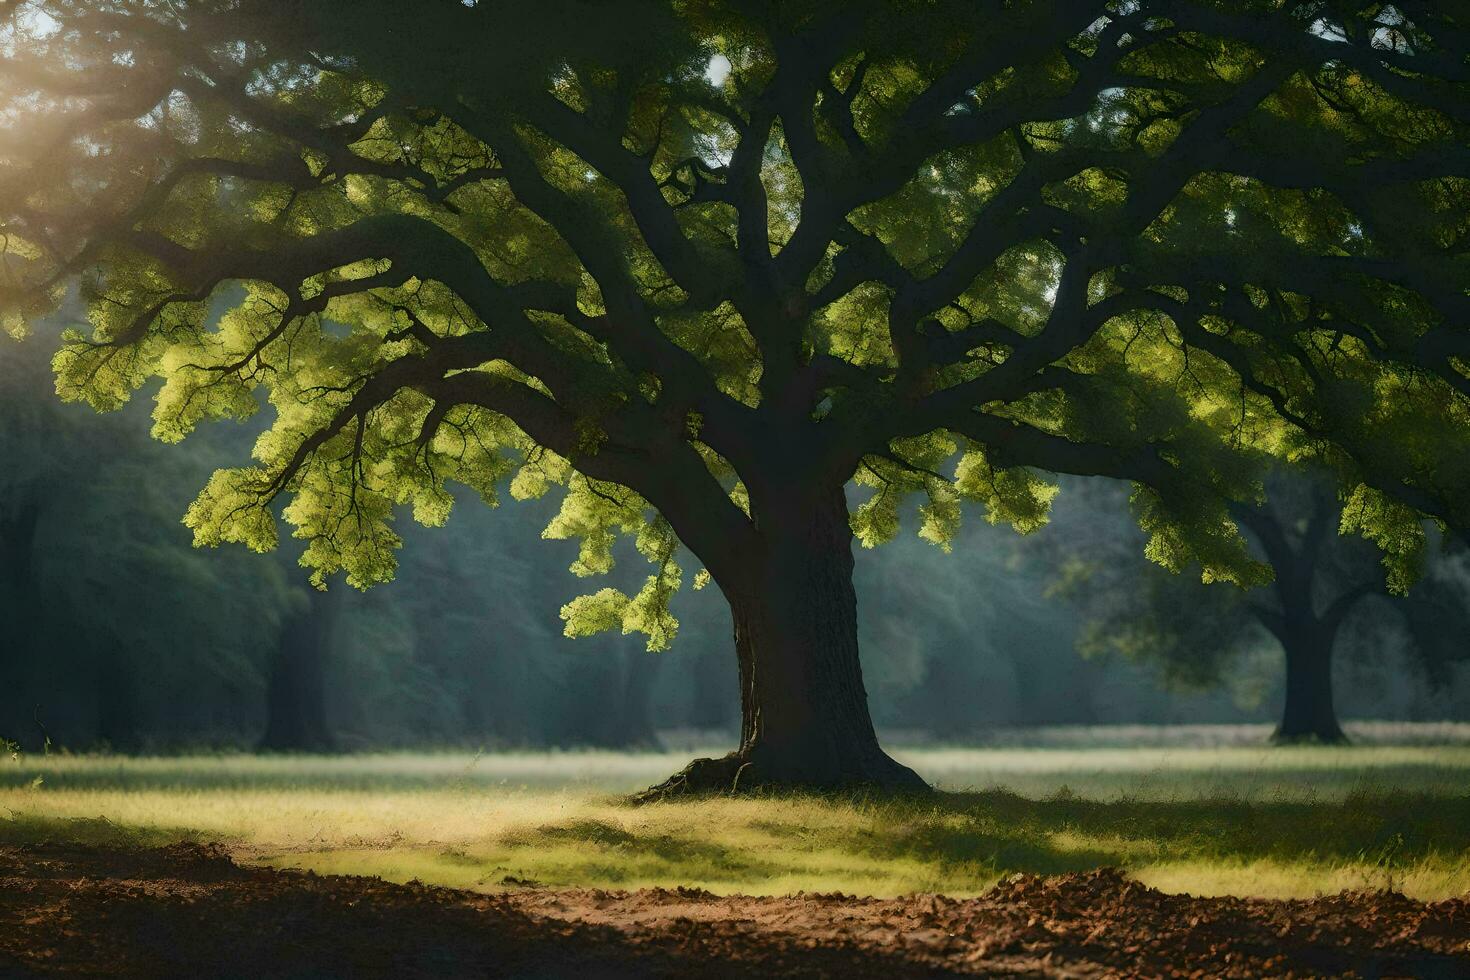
x: 191, y: 911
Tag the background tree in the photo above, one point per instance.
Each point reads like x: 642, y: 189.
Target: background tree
x: 96, y: 645
x: 1198, y: 634
x: 701, y: 265
x: 296, y: 685
x: 476, y: 656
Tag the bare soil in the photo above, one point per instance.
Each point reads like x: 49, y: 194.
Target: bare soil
x: 192, y: 911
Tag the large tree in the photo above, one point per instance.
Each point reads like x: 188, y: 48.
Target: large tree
x: 1322, y: 582
x: 702, y: 264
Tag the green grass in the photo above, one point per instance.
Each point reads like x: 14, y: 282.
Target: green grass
x: 1244, y: 820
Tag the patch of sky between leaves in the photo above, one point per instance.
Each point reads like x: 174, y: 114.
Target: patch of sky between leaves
x: 717, y: 70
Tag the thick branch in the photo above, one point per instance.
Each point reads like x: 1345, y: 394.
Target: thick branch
x: 670, y: 475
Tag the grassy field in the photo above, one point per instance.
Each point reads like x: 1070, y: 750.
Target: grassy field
x: 1207, y: 819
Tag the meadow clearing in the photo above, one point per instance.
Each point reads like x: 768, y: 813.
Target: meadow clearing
x: 1238, y: 818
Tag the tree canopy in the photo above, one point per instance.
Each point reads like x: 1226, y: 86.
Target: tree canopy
x: 699, y: 264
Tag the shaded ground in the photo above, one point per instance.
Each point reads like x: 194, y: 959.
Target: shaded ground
x: 187, y: 910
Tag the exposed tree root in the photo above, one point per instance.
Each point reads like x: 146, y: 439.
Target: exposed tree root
x: 744, y: 772
x: 1279, y: 737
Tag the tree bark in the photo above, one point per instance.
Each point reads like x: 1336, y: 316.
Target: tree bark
x: 804, y: 710
x: 296, y: 709
x: 1308, y: 714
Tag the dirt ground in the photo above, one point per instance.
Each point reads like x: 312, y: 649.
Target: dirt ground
x: 191, y: 911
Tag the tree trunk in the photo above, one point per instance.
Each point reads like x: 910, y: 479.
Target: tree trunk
x: 1308, y: 714
x: 296, y: 702
x: 1306, y: 636
x: 804, y: 711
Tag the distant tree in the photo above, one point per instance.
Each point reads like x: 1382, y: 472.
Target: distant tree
x: 464, y: 650
x: 92, y: 559
x: 32, y: 482
x: 1197, y: 633
x: 480, y: 611
x: 713, y: 698
x: 1436, y: 614
x: 968, y: 641
x: 296, y: 682
x: 702, y: 264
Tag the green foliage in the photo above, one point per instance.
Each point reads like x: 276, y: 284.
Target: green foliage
x: 1196, y: 632
x: 939, y: 250
x: 1389, y: 525
x: 1013, y: 496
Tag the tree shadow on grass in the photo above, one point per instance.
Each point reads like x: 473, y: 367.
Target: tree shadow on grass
x: 33, y: 830
x: 1409, y: 826
x: 986, y: 848
x: 966, y: 843
x: 600, y: 834
x: 998, y: 832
